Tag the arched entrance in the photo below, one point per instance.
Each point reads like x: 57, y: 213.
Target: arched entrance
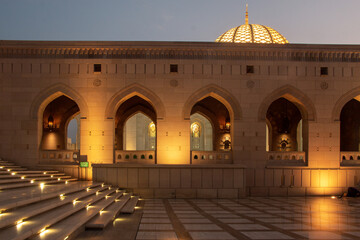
x: 210, y: 132
x: 285, y: 133
x: 350, y: 132
x: 135, y: 131
x: 60, y: 139
x: 286, y: 113
x: 284, y: 127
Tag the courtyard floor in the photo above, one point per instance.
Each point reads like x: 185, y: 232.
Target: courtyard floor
x: 248, y: 218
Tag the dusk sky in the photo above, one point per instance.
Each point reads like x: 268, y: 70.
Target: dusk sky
x: 300, y: 21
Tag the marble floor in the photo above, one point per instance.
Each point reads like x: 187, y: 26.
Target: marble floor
x: 250, y: 218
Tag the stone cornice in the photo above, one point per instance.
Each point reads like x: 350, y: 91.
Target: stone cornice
x: 179, y: 50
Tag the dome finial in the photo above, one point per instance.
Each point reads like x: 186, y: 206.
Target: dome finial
x: 247, y: 15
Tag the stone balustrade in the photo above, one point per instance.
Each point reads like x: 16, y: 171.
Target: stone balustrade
x: 147, y: 157
x: 211, y: 157
x: 70, y: 157
x: 286, y: 156
x: 349, y: 158
x: 292, y: 158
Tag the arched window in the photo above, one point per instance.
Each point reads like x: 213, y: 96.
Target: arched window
x: 139, y: 133
x: 73, y: 133
x: 152, y: 135
x: 195, y: 136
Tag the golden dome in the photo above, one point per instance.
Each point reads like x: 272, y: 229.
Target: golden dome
x: 252, y: 33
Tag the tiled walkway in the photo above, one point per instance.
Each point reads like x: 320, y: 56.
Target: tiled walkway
x: 251, y: 218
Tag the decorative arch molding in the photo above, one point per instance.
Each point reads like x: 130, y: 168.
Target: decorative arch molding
x: 342, y: 101
x: 293, y: 95
x: 45, y: 96
x: 130, y: 91
x: 219, y: 94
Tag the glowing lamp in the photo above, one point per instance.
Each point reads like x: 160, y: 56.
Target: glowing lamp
x: 51, y: 123
x: 227, y: 125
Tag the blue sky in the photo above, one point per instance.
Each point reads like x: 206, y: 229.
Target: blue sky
x: 300, y: 21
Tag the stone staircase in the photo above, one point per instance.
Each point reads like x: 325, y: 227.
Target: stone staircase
x: 13, y: 176
x: 51, y: 205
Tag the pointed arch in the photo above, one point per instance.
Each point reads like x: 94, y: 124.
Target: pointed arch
x: 292, y: 94
x: 219, y: 94
x: 45, y: 96
x: 134, y: 90
x: 342, y: 101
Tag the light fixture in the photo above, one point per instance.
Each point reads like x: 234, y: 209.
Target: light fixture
x: 51, y: 123
x: 227, y: 124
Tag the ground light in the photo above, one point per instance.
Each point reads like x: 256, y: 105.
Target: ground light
x: 42, y: 231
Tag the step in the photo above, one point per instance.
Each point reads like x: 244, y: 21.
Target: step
x: 101, y: 221
x: 68, y: 228
x: 130, y: 205
x: 29, y: 184
x: 29, y: 176
x: 6, y: 166
x: 36, y: 172
x: 32, y: 175
x: 7, y: 176
x: 40, y: 223
x: 13, y: 166
x: 2, y: 163
x: 30, y: 200
x: 39, y: 175
x: 42, y: 178
x: 10, y: 218
x: 12, y: 170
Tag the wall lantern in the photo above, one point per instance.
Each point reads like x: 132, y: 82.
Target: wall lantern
x: 227, y: 125
x: 51, y: 123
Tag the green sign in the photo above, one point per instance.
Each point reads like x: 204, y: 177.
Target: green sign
x: 84, y: 164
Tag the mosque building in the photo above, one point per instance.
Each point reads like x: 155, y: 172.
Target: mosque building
x: 247, y: 115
